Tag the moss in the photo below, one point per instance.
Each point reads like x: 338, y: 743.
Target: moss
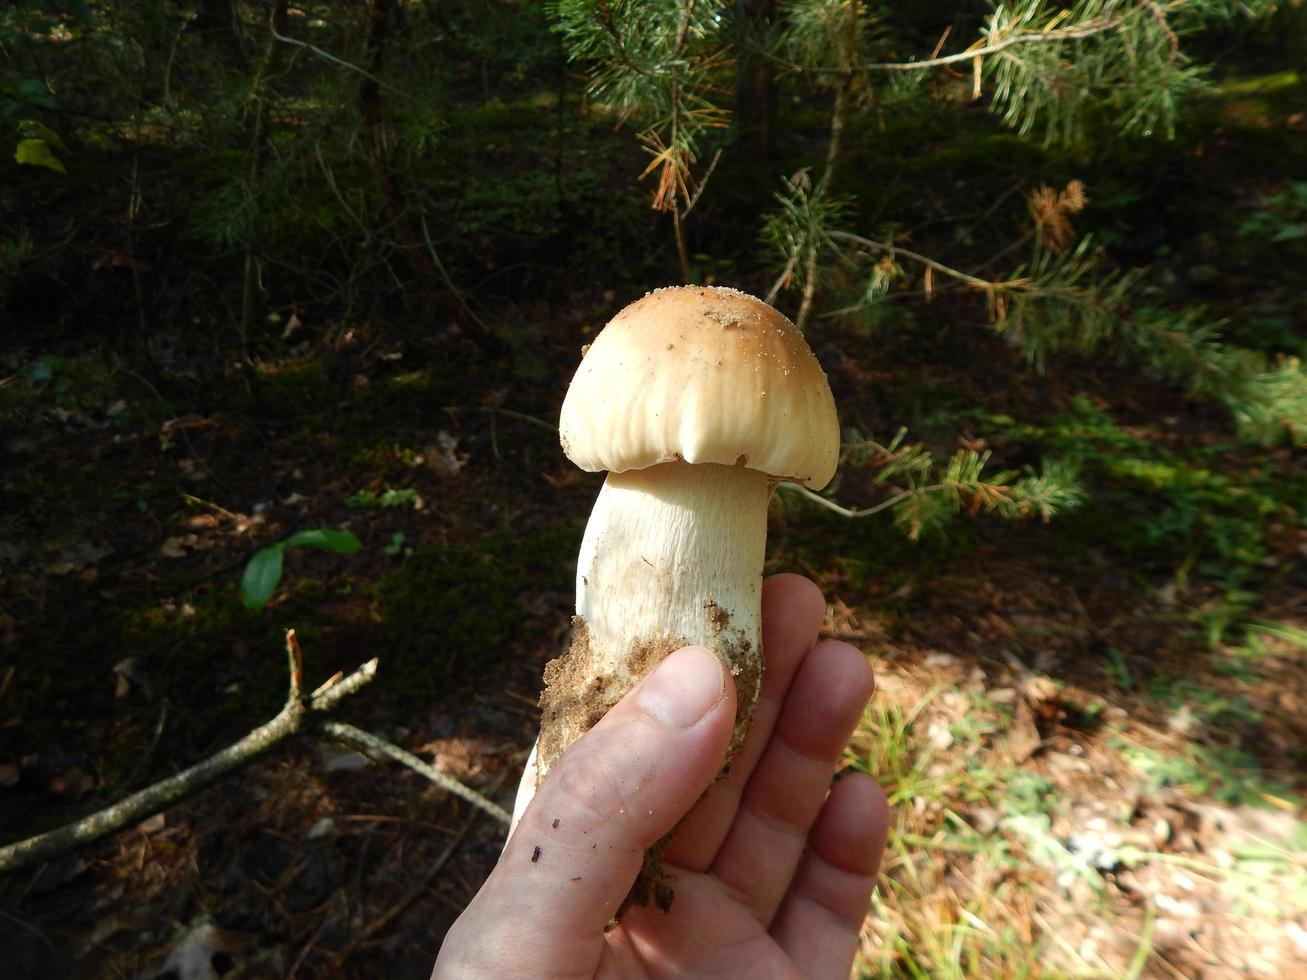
x: 455, y: 617
x: 189, y: 649
x: 874, y: 556
x: 415, y: 392
x: 183, y: 654
x: 297, y: 388
x: 310, y: 590
x: 1278, y: 81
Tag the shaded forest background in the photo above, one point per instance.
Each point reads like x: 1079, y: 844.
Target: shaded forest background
x: 267, y: 268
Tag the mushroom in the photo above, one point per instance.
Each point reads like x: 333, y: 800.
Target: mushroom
x: 696, y: 400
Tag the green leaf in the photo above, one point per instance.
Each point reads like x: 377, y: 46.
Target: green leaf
x: 37, y: 153
x: 261, y: 576
x: 32, y: 129
x: 341, y: 542
x: 30, y: 90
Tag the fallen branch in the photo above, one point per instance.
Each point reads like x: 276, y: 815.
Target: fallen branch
x: 371, y: 743
x: 290, y: 721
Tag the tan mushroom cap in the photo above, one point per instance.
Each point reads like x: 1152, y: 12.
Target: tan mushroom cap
x: 707, y: 375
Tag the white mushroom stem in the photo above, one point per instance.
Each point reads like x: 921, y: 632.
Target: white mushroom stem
x: 672, y: 556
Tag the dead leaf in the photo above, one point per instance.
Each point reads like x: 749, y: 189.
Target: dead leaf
x: 1023, y: 738
x: 8, y: 774
x: 442, y: 458
x: 938, y: 660
x: 193, y: 957
x: 168, y: 430
x: 321, y: 828
x: 1062, y: 764
x: 341, y: 760
x: 113, y: 259
x: 175, y: 547
x: 74, y: 556
x: 938, y: 733
x: 128, y: 675
x: 74, y: 783
x: 1039, y: 689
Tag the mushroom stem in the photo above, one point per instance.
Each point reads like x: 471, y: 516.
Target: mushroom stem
x: 672, y: 556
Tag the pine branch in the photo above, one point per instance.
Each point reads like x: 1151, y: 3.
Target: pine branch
x: 933, y: 495
x: 654, y: 61
x: 1132, y: 58
x: 1047, y: 59
x: 1267, y: 399
x: 897, y: 251
x: 853, y: 512
x: 832, y: 32
x: 979, y: 50
x: 801, y: 230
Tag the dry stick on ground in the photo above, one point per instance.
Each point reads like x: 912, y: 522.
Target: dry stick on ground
x: 371, y: 743
x: 292, y: 719
x: 159, y: 796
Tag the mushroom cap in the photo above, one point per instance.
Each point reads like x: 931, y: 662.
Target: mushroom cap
x: 706, y: 375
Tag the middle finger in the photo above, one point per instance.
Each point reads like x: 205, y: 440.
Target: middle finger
x: 792, y: 611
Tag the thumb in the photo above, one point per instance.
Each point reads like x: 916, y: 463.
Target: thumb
x: 614, y: 792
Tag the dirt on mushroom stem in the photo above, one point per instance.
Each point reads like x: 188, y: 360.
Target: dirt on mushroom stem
x: 575, y: 699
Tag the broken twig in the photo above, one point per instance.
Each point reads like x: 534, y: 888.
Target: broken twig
x: 371, y: 743
x: 289, y: 721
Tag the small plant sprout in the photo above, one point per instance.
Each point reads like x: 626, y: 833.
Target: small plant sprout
x: 263, y: 571
x: 696, y: 400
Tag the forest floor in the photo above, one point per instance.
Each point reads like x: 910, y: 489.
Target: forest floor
x: 1092, y: 730
x: 1095, y: 752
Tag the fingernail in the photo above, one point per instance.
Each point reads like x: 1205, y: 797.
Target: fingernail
x: 683, y: 688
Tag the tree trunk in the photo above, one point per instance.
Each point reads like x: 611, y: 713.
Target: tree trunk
x: 755, y: 87
x: 258, y: 152
x: 217, y: 19
x: 374, y: 139
x: 430, y: 273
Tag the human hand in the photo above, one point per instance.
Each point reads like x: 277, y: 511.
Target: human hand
x: 774, y: 867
